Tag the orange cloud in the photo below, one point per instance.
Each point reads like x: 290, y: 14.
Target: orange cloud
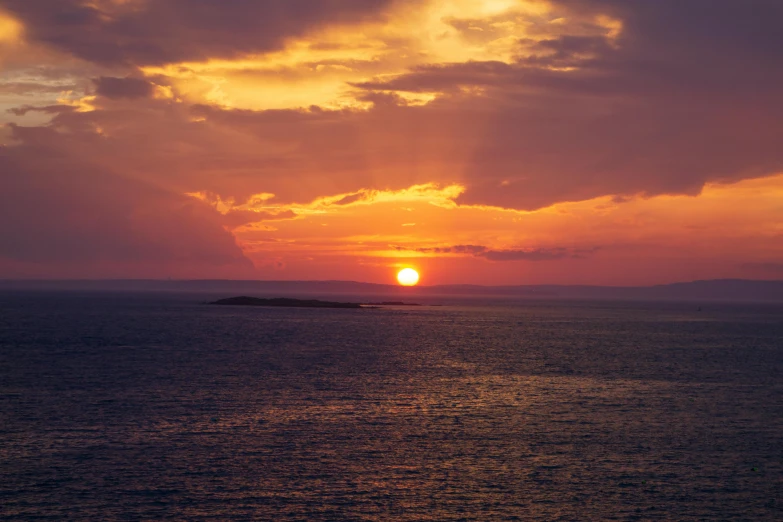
x: 321, y: 66
x: 567, y: 236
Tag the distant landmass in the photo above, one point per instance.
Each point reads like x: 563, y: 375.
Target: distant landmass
x: 709, y: 290
x: 392, y: 303
x: 283, y: 302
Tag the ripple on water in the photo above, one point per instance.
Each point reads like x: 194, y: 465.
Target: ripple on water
x: 155, y: 407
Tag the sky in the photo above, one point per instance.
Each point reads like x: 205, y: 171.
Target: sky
x: 498, y: 142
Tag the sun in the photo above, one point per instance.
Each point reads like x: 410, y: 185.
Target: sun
x: 408, y: 277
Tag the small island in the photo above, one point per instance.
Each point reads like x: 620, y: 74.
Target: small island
x: 393, y: 303
x: 283, y: 302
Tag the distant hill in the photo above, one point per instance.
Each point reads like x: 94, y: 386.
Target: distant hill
x: 712, y: 290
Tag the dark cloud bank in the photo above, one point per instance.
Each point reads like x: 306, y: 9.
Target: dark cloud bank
x: 166, y: 31
x: 531, y: 254
x: 688, y: 94
x: 66, y: 213
x: 118, y: 88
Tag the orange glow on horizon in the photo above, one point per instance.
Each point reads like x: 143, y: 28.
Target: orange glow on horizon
x: 455, y: 243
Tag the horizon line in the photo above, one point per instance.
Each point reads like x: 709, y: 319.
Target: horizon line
x: 342, y: 281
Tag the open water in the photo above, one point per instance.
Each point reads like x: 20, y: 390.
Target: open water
x: 148, y: 407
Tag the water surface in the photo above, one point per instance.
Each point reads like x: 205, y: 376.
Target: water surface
x: 145, y: 406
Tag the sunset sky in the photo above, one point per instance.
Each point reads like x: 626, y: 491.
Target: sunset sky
x: 612, y: 142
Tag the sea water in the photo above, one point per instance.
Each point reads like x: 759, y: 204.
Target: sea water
x: 157, y: 406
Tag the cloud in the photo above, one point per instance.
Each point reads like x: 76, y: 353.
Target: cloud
x: 350, y: 198
x: 49, y: 109
x: 454, y: 249
x: 68, y: 215
x: 28, y: 88
x: 578, y: 113
x: 167, y: 31
x: 530, y: 254
x: 117, y: 88
x: 520, y: 154
x: 662, y: 109
x: 237, y: 218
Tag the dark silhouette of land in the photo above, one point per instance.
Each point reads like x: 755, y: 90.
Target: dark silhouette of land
x: 393, y: 303
x: 736, y: 290
x: 283, y: 302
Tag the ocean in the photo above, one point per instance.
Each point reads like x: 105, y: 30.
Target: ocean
x: 156, y: 406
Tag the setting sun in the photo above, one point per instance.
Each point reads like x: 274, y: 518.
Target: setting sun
x: 408, y: 277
